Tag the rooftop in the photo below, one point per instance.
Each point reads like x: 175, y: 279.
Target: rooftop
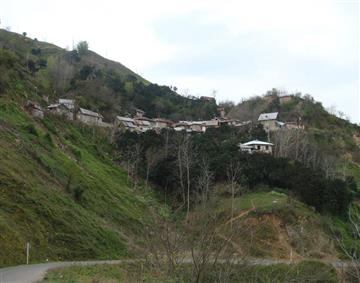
x: 268, y: 116
x: 90, y: 113
x: 256, y: 142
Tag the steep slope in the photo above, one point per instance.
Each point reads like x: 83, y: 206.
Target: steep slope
x: 28, y: 48
x: 60, y: 187
x: 97, y: 83
x: 61, y: 191
x: 279, y: 227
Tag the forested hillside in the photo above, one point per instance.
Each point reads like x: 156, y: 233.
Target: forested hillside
x: 96, y: 83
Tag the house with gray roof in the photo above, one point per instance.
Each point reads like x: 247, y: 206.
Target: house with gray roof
x: 269, y: 121
x: 89, y: 117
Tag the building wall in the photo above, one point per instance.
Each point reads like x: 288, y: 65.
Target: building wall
x: 266, y: 149
x: 269, y: 125
x: 58, y: 111
x: 258, y: 148
x: 37, y: 113
x: 285, y: 99
x: 91, y: 120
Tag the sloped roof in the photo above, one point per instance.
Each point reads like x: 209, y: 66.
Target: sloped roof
x: 256, y: 142
x: 125, y: 119
x: 268, y: 116
x: 66, y: 101
x: 57, y: 105
x: 34, y: 105
x: 69, y: 103
x: 53, y: 105
x: 90, y: 113
x: 142, y: 123
x: 161, y: 120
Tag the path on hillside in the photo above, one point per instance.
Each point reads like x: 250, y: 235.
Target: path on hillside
x: 33, y: 273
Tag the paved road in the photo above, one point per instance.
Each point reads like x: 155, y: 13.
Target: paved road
x: 34, y: 272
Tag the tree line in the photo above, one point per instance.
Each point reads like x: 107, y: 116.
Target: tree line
x: 185, y: 168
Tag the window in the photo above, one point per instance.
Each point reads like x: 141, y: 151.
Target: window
x: 267, y: 147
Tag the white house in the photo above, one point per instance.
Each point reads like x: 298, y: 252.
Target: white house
x: 256, y: 146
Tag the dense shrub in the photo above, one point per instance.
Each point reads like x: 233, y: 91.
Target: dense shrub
x: 219, y: 147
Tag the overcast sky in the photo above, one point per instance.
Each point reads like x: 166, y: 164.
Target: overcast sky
x: 238, y: 48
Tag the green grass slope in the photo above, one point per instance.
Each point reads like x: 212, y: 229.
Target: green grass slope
x: 307, y: 271
x: 61, y: 191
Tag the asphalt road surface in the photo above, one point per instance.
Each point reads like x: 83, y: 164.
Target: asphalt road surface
x: 35, y: 272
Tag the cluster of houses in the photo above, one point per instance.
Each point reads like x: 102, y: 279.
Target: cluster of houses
x: 66, y: 108
x: 270, y: 123
x: 140, y: 123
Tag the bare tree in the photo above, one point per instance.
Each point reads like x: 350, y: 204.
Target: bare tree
x: 131, y: 158
x: 186, y: 159
x: 204, y: 181
x: 233, y: 172
x: 351, y: 270
x: 200, y: 242
x: 296, y: 144
x: 152, y: 156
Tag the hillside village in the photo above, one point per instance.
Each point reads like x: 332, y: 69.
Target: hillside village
x: 139, y: 123
x: 70, y: 191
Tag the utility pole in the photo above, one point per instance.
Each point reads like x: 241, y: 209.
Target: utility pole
x: 27, y: 252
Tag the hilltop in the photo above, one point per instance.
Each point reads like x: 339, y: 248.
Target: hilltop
x: 335, y: 140
x: 97, y: 83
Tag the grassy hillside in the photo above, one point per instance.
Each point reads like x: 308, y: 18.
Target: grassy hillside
x: 61, y: 188
x: 308, y: 271
x: 62, y: 192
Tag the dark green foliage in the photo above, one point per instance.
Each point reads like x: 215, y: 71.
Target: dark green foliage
x: 49, y: 140
x: 78, y: 193
x: 7, y: 58
x: 73, y: 56
x: 113, y: 80
x: 36, y: 51
x: 31, y: 128
x: 31, y: 66
x: 85, y: 72
x: 220, y: 148
x: 82, y: 47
